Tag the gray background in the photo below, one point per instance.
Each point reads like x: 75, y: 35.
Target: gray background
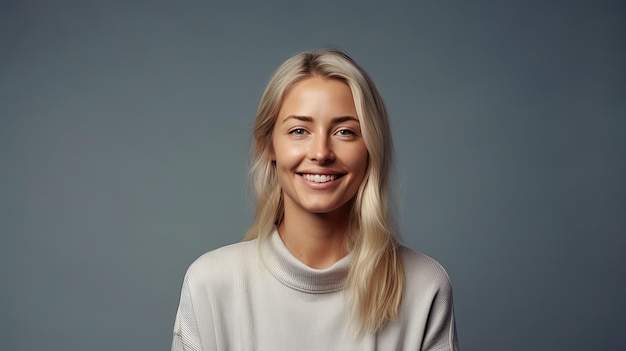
x: 123, y: 151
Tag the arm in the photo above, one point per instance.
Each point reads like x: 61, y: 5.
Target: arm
x: 440, y: 333
x: 186, y: 335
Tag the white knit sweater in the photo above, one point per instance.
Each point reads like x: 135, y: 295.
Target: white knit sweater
x: 256, y: 295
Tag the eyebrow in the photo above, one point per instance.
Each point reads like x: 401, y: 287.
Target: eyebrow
x: 334, y: 120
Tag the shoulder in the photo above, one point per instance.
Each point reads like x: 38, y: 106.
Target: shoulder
x: 423, y: 273
x: 428, y: 304
x: 222, y: 265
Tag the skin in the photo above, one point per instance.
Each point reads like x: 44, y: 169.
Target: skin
x: 317, y: 132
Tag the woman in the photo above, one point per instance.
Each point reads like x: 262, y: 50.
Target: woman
x: 320, y: 268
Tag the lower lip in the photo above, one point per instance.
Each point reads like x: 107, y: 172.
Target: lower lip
x: 320, y: 186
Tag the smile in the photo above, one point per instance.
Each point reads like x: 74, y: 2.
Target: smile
x: 321, y: 178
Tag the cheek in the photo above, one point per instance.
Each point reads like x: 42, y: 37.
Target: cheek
x: 287, y: 154
x: 360, y: 159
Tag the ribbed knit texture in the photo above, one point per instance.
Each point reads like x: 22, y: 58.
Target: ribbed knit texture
x: 295, y: 274
x: 256, y: 295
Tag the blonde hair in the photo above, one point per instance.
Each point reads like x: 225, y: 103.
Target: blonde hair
x: 376, y: 277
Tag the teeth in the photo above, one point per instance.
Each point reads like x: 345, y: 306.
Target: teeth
x: 317, y: 178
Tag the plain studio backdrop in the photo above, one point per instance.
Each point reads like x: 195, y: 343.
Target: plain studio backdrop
x: 124, y: 137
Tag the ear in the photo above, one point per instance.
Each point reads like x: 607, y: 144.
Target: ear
x: 270, y: 148
x: 270, y: 152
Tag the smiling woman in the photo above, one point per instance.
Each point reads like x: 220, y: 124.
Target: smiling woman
x: 321, y: 159
x: 321, y: 267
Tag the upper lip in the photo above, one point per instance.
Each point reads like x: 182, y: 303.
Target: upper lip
x: 321, y: 172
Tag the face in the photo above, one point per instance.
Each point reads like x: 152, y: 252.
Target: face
x: 320, y: 155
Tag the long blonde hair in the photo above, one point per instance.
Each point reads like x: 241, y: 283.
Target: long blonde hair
x: 376, y: 277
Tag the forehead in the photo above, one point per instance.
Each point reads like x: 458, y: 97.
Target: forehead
x: 316, y: 96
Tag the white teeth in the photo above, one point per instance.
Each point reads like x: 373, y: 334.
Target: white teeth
x: 317, y: 178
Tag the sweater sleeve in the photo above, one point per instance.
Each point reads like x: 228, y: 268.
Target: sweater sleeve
x: 186, y: 335
x: 440, y: 333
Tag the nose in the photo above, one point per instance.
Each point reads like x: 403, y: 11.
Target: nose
x: 320, y: 149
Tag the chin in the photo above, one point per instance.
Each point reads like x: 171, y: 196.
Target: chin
x: 326, y: 208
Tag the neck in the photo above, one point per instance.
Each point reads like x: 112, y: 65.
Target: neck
x: 318, y: 240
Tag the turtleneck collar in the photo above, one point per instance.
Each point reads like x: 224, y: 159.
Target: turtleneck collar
x: 293, y: 273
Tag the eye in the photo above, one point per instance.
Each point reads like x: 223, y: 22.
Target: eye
x: 298, y: 131
x: 345, y: 132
